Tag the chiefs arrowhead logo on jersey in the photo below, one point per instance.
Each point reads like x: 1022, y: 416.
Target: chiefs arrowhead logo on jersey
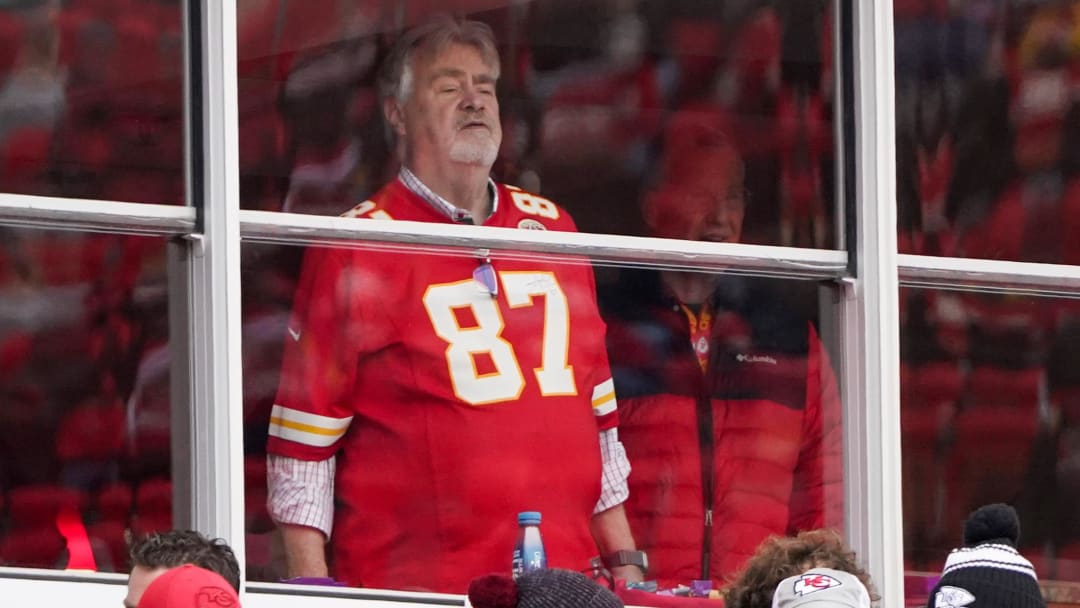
x: 952, y: 597
x: 531, y: 224
x: 811, y: 583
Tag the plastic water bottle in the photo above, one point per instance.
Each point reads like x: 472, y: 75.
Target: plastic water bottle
x: 529, y: 551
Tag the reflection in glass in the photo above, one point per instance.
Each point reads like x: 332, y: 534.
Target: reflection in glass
x: 730, y: 414
x: 84, y: 443
x: 987, y: 121
x: 599, y: 99
x: 91, y: 98
x: 989, y: 414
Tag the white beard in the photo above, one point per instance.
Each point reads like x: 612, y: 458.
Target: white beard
x: 474, y: 151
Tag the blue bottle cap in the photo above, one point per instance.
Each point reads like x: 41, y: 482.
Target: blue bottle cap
x: 529, y: 518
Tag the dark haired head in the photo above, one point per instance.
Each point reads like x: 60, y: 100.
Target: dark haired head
x: 175, y: 548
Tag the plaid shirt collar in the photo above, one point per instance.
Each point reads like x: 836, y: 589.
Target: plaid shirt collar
x: 440, y: 204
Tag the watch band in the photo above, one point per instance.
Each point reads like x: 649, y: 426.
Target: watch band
x: 627, y: 558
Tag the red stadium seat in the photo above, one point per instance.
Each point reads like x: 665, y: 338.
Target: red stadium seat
x: 154, y: 496
x: 24, y: 159
x: 91, y: 432
x: 37, y: 505
x: 694, y: 44
x: 1000, y: 387
x: 114, y: 502
x: 35, y: 547
x: 1000, y: 236
x: 989, y: 458
x: 142, y: 524
x: 153, y: 506
x: 70, y: 22
x: 15, y: 350
x: 922, y: 476
x: 932, y: 384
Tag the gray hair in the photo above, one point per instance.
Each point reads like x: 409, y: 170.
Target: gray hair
x: 430, y: 38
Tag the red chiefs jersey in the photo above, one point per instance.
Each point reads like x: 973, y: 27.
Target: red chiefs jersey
x: 450, y: 409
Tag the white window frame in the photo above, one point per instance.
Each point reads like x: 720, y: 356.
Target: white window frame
x: 205, y: 281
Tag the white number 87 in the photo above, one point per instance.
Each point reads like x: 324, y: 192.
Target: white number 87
x: 554, y: 376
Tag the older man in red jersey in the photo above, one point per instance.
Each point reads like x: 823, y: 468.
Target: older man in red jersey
x: 425, y: 400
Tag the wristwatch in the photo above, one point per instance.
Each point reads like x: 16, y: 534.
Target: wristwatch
x: 627, y: 558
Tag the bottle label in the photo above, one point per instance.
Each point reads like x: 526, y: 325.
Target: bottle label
x: 527, y: 560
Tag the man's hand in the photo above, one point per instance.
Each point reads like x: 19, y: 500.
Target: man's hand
x: 305, y: 551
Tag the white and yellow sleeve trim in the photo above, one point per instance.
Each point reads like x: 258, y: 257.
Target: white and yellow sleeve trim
x: 603, y: 398
x: 307, y: 429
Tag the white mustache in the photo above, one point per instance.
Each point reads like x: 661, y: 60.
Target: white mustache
x: 472, y: 120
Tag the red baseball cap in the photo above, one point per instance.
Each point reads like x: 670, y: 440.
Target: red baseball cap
x: 189, y: 587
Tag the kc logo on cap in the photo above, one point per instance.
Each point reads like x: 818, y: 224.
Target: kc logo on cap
x: 809, y: 583
x: 821, y: 588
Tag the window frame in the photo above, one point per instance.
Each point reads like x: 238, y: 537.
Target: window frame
x: 205, y: 282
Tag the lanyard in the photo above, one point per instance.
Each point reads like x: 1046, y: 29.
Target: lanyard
x: 700, y: 330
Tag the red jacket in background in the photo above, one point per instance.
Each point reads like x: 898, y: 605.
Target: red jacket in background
x: 766, y: 408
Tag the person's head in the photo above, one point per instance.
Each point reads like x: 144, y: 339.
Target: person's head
x: 988, y: 571
x: 821, y: 588
x: 189, y: 586
x: 438, y: 95
x: 780, y: 557
x: 702, y: 196
x: 548, y: 588
x: 160, y: 552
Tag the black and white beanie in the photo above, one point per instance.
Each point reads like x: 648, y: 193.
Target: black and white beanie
x: 988, y: 571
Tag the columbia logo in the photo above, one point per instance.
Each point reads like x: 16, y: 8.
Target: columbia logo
x: 755, y: 359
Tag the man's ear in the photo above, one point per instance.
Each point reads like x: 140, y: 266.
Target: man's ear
x: 395, y: 115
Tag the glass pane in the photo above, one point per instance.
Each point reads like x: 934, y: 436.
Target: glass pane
x: 605, y: 106
x: 986, y: 119
x: 989, y: 414
x: 91, y: 99
x: 456, y: 389
x: 84, y: 374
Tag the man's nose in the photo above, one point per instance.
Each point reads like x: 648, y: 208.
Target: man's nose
x: 472, y: 99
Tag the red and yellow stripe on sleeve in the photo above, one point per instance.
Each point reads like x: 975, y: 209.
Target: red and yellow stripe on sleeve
x: 311, y: 432
x: 604, y: 404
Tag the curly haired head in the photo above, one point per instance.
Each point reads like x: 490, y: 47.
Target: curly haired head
x: 782, y: 556
x: 174, y: 548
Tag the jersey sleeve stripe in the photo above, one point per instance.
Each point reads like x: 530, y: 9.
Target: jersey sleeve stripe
x: 606, y: 408
x: 602, y: 389
x: 601, y: 401
x: 303, y: 437
x: 307, y: 428
x: 312, y: 420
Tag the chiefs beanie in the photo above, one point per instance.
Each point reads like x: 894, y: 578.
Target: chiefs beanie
x: 988, y: 571
x: 189, y: 587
